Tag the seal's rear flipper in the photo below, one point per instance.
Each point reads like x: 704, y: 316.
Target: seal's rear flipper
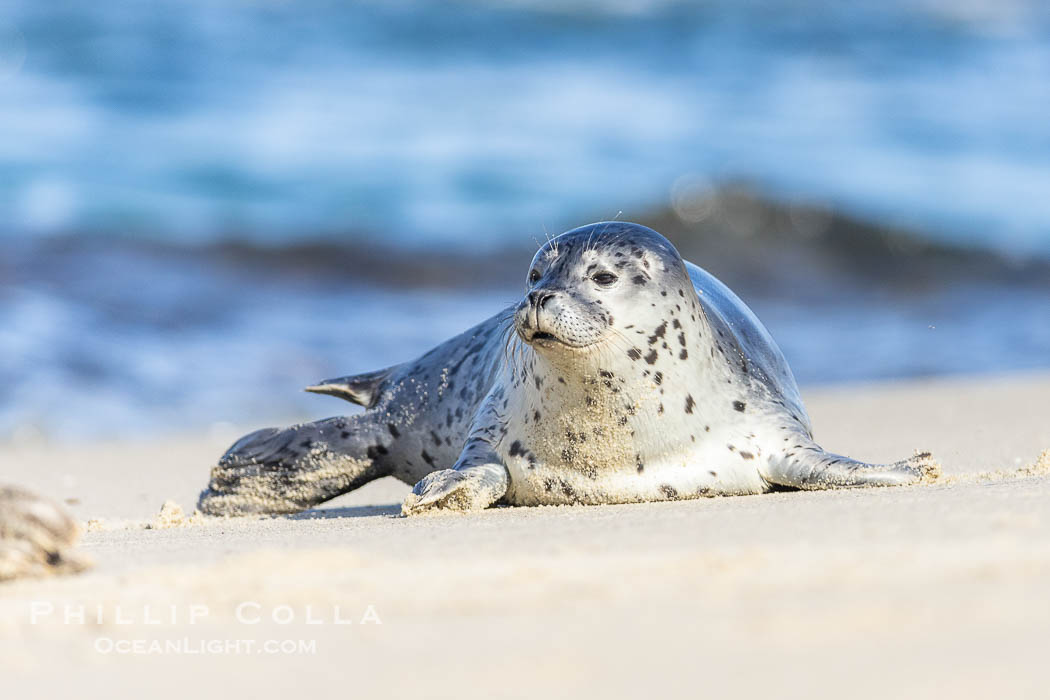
x: 362, y: 389
x: 275, y: 471
x: 809, y: 467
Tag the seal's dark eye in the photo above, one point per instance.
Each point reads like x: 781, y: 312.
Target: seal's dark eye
x: 534, y: 277
x: 603, y: 278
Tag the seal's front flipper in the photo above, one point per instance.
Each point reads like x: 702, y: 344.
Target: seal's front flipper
x: 809, y: 467
x: 36, y: 537
x: 362, y: 389
x: 275, y: 471
x: 474, y: 484
x: 462, y: 490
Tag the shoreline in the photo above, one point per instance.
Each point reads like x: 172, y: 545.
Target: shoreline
x: 846, y: 298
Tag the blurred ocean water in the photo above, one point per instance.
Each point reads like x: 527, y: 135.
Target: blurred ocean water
x: 485, y: 120
x: 174, y: 175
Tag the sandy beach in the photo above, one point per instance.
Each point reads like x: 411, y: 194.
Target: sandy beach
x: 922, y: 591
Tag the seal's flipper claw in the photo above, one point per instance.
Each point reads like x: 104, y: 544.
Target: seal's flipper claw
x: 36, y: 537
x: 457, y: 490
x: 362, y: 389
x: 814, y: 469
x: 278, y: 471
x: 444, y: 485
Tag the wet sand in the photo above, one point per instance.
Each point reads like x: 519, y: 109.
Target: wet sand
x: 925, y: 590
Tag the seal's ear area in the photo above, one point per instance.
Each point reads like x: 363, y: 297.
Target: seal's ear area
x: 362, y: 389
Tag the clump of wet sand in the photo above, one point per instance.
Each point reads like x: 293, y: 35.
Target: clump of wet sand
x: 171, y: 516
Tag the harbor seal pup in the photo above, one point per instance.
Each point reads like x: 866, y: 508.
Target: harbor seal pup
x: 624, y: 374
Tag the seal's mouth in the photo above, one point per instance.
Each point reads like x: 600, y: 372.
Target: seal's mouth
x: 545, y: 328
x: 542, y: 338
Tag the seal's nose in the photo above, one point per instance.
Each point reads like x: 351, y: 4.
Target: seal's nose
x: 539, y: 298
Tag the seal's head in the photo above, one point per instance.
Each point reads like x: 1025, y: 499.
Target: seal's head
x: 586, y: 282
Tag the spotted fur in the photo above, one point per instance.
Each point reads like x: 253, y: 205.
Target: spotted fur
x: 624, y: 374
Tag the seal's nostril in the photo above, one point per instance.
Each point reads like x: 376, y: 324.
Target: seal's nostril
x: 539, y: 298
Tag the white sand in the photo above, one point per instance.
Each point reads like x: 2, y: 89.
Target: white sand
x: 930, y: 590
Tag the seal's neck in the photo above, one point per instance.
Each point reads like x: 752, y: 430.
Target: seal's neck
x: 635, y: 396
